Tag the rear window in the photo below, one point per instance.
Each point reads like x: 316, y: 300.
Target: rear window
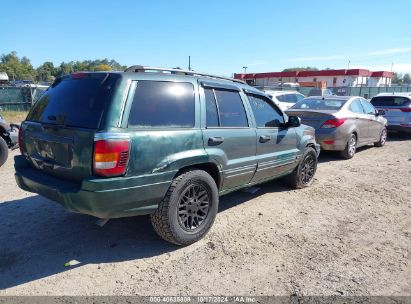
x: 390, y: 101
x: 162, y: 104
x: 320, y: 104
x: 77, y: 100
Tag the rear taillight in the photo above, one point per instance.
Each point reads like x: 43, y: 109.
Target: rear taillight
x: 333, y: 123
x: 20, y: 140
x: 405, y: 109
x: 111, y: 157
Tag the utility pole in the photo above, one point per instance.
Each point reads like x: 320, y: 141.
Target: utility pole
x: 349, y: 64
x: 245, y: 69
x: 392, y: 66
x: 189, y: 63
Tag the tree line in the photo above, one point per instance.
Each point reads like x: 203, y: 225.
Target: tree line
x: 401, y: 79
x: 21, y: 68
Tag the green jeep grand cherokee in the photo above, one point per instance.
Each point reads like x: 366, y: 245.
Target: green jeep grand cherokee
x: 158, y: 141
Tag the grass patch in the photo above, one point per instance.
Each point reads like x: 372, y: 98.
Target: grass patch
x: 14, y: 116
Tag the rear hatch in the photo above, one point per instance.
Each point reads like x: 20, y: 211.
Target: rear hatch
x: 312, y: 118
x: 58, y: 135
x: 397, y: 108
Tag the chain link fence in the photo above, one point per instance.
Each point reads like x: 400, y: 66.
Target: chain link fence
x: 19, y: 98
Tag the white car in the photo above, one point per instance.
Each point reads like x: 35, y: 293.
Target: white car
x: 284, y: 99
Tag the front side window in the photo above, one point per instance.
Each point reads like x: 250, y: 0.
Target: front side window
x: 368, y: 108
x: 162, y: 104
x: 265, y: 114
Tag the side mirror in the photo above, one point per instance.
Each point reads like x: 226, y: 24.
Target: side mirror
x: 294, y: 121
x: 380, y: 113
x: 273, y: 123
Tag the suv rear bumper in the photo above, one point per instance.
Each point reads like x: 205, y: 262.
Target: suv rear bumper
x: 99, y: 197
x: 399, y: 128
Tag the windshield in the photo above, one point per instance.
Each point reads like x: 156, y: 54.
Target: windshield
x: 320, y: 104
x: 78, y: 100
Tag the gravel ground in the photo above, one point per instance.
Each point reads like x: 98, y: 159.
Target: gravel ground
x: 348, y: 234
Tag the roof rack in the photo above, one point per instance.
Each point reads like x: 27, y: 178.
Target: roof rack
x: 140, y: 68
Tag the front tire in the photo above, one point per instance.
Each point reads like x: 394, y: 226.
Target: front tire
x: 350, y: 148
x: 188, y: 210
x: 4, y: 151
x: 383, y: 138
x: 303, y: 175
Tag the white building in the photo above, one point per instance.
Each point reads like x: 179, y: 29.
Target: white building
x: 332, y: 78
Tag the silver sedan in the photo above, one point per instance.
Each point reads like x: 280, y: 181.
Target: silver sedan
x: 342, y: 123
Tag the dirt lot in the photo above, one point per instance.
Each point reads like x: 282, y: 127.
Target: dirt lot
x: 349, y: 234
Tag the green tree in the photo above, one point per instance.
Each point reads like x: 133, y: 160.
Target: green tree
x: 46, y: 71
x: 16, y: 68
x: 397, y: 78
x: 103, y: 67
x: 406, y: 79
x: 64, y: 69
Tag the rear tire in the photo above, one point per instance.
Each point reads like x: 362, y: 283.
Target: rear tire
x: 383, y: 138
x: 188, y: 210
x: 4, y: 151
x: 303, y: 175
x: 350, y: 148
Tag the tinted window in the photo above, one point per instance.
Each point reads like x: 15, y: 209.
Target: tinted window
x: 299, y: 97
x: 265, y: 114
x: 77, y: 101
x: 231, y: 109
x: 281, y: 98
x: 390, y: 101
x: 356, y: 107
x: 290, y: 98
x: 211, y: 108
x: 368, y: 108
x: 162, y: 103
x: 314, y: 92
x: 319, y: 104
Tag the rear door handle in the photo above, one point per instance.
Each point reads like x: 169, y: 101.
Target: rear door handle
x: 264, y: 138
x: 215, y: 141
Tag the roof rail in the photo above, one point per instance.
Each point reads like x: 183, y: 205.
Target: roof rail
x: 140, y: 68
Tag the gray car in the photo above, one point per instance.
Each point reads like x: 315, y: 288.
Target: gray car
x: 397, y: 108
x: 342, y: 123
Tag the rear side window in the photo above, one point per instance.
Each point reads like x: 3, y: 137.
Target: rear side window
x: 281, y: 98
x: 231, y: 111
x: 162, y: 104
x: 299, y: 97
x: 77, y: 100
x: 290, y: 98
x: 390, y: 101
x: 356, y: 107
